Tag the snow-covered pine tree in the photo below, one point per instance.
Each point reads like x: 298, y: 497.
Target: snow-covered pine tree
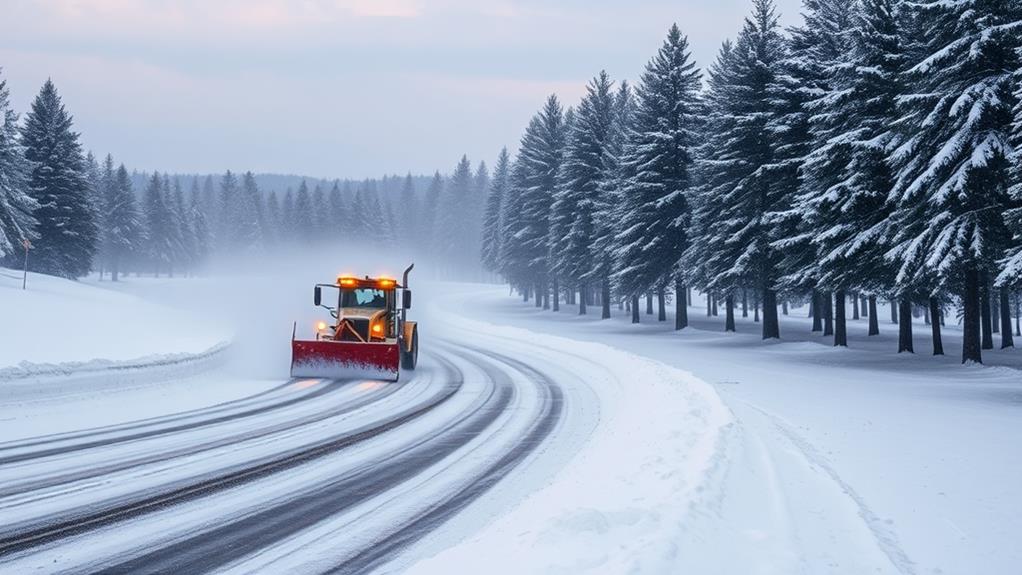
x: 320, y: 212
x: 430, y: 208
x: 584, y: 167
x: 158, y: 247
x: 286, y: 232
x: 948, y: 229
x: 185, y: 234
x: 271, y: 220
x: 453, y: 234
x: 711, y: 171
x: 813, y: 146
x: 251, y: 216
x: 741, y: 193
x: 16, y: 205
x: 606, y: 213
x: 408, y: 212
x: 122, y: 232
x: 199, y: 222
x: 854, y: 210
x: 492, y: 222
x: 303, y: 225
x: 655, y: 209
x: 66, y: 228
x: 229, y: 211
x: 525, y: 247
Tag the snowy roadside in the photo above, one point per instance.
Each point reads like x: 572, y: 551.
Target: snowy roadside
x: 839, y: 460
x: 59, y: 327
x: 618, y: 504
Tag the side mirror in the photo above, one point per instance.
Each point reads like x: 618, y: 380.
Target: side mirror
x: 406, y: 301
x: 317, y: 296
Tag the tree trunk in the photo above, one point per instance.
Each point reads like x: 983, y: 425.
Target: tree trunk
x: 874, y: 322
x: 605, y: 298
x: 1018, y: 326
x: 525, y: 294
x: 840, y: 325
x: 661, y: 303
x: 745, y: 302
x: 729, y: 313
x: 1005, y: 307
x: 635, y: 309
x: 649, y: 303
x: 984, y: 302
x: 971, y: 348
x: 539, y: 295
x: 771, y: 325
x: 583, y: 292
x: 680, y: 306
x: 995, y: 310
x: 815, y: 307
x: 784, y: 307
x: 827, y: 305
x: 894, y: 312
x: 855, y: 306
x: 709, y: 306
x: 557, y: 294
x: 926, y: 315
x: 716, y: 305
x: 905, y: 326
x: 546, y: 295
x: 865, y: 311
x: 114, y: 270
x: 938, y: 345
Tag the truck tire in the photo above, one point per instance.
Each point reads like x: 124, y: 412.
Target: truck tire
x: 409, y: 359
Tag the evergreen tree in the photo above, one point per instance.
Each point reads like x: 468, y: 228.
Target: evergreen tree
x: 158, y: 220
x: 454, y: 232
x: 430, y: 208
x: 230, y: 211
x: 271, y: 221
x: 287, y: 217
x: 320, y: 213
x: 741, y: 193
x: 16, y: 205
x: 525, y: 247
x: 200, y: 225
x: 303, y: 226
x: 948, y: 229
x: 408, y: 211
x: 251, y: 219
x: 492, y: 223
x: 122, y: 232
x: 66, y: 228
x: 655, y: 209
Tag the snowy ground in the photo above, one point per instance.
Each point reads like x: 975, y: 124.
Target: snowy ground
x: 839, y: 460
x: 568, y: 444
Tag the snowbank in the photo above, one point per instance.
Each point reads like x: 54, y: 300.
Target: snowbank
x: 58, y: 326
x: 619, y: 504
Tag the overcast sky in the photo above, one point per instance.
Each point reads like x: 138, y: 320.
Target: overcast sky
x: 331, y: 88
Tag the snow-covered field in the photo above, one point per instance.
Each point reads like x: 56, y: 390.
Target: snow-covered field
x: 653, y: 451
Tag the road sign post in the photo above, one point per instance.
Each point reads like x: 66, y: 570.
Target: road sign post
x: 24, y: 275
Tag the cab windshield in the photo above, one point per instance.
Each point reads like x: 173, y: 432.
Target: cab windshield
x: 364, y: 297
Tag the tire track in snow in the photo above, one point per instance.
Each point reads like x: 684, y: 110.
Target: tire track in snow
x: 24, y: 537
x: 886, y: 539
x: 384, y: 550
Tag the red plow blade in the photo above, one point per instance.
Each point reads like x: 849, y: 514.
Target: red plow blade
x: 344, y: 360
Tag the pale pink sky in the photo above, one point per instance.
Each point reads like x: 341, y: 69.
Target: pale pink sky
x: 331, y: 88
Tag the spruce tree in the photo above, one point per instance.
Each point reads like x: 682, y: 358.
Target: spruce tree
x: 453, y: 240
x: 250, y: 218
x: 742, y: 193
x: 527, y: 237
x: 199, y: 222
x: 122, y: 232
x: 430, y: 209
x: 492, y: 223
x: 303, y: 225
x: 159, y: 247
x: 230, y: 212
x: 287, y: 217
x: 572, y: 215
x: 16, y: 205
x: 655, y: 208
x: 408, y: 212
x: 66, y: 228
x: 947, y: 229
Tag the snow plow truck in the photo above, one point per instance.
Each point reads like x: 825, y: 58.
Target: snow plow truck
x: 369, y: 337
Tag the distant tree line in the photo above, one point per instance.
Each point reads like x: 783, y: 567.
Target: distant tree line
x: 82, y: 215
x: 873, y: 152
